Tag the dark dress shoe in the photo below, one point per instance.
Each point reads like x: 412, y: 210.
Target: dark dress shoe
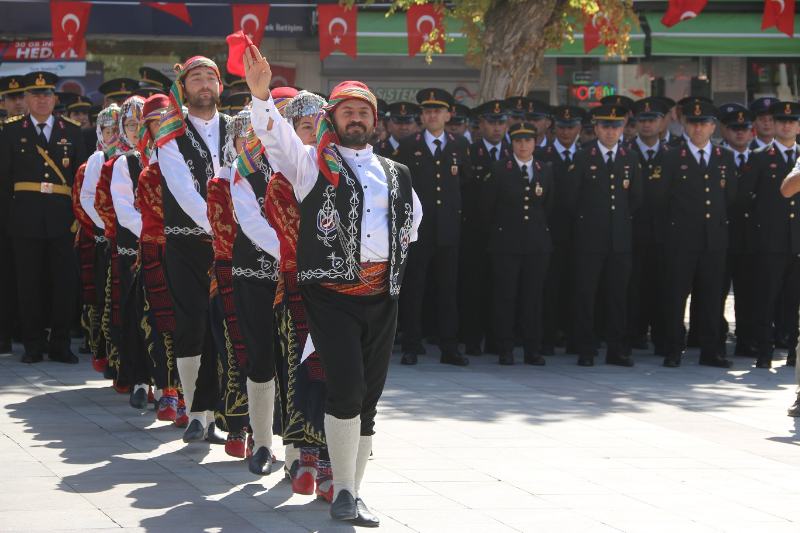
x: 365, y: 517
x: 195, y: 432
x: 619, y: 360
x: 672, y: 361
x: 5, y: 347
x: 31, y: 356
x: 794, y: 410
x: 507, y: 358
x: 473, y: 349
x: 214, y: 435
x: 764, y: 361
x: 344, y: 507
x: 409, y: 358
x: 534, y: 359
x: 291, y: 472
x: 547, y: 350
x: 261, y: 462
x: 715, y: 360
x: 138, y: 398
x: 585, y: 360
x: 791, y: 358
x: 453, y: 358
x: 64, y: 356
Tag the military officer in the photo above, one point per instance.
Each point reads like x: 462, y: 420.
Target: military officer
x: 236, y: 84
x: 457, y: 125
x: 517, y: 107
x: 587, y: 134
x: 39, y: 156
x: 117, y: 90
x: 400, y: 124
x: 474, y: 298
x: 629, y: 132
x: 557, y: 289
x: 517, y: 197
x: 764, y: 123
x: 604, y: 187
x: 645, y: 290
x: 93, y: 112
x: 680, y: 140
x: 78, y: 110
x: 538, y: 114
x: 777, y: 229
x: 698, y: 181
x: 153, y: 79
x: 12, y: 94
x: 439, y: 164
x: 474, y: 128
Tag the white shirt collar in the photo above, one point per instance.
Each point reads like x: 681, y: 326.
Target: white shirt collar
x: 202, y: 123
x: 393, y: 142
x: 490, y: 146
x: 695, y: 151
x: 759, y: 142
x: 782, y: 148
x: 529, y: 164
x: 429, y: 138
x: 544, y: 142
x: 558, y: 147
x: 644, y: 148
x: 737, y: 153
x: 50, y: 121
x: 604, y: 150
x: 349, y: 153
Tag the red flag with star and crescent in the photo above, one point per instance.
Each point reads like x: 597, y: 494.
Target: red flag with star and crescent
x: 68, y: 20
x: 779, y: 13
x: 421, y: 20
x: 251, y: 19
x: 680, y: 10
x: 337, y: 30
x: 178, y: 11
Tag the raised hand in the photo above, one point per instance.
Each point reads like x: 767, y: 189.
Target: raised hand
x: 257, y: 73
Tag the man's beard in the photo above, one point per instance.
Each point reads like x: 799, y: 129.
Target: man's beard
x: 195, y: 100
x: 355, y: 137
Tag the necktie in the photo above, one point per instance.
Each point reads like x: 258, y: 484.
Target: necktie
x: 567, y: 158
x: 525, y: 171
x: 610, y: 161
x: 438, y: 151
x: 703, y: 164
x: 493, y: 152
x: 790, y: 156
x: 650, y: 153
x: 741, y: 161
x: 42, y: 138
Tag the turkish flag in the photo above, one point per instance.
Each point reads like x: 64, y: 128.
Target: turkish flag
x: 779, y: 13
x: 680, y: 10
x: 338, y: 29
x: 421, y: 20
x: 176, y: 10
x: 591, y: 32
x: 251, y: 19
x: 68, y: 20
x: 282, y: 76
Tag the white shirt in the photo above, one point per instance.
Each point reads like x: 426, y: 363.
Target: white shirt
x: 696, y: 151
x: 429, y: 138
x: 209, y: 131
x: 250, y: 214
x: 48, y: 126
x: 736, y: 154
x: 643, y: 148
x: 544, y: 142
x: 393, y: 142
x: 468, y: 136
x: 782, y: 148
x: 489, y: 149
x: 123, y: 199
x: 604, y: 151
x: 558, y: 147
x: 759, y: 142
x: 528, y: 164
x: 91, y: 176
x: 298, y: 163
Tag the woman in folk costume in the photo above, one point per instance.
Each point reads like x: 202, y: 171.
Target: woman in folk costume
x: 157, y: 321
x: 302, y: 380
x: 91, y: 238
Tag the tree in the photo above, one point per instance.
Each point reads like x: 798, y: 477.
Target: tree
x: 508, y: 38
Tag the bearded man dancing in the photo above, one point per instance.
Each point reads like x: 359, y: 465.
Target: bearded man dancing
x: 358, y: 214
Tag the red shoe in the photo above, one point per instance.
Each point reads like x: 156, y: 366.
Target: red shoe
x: 121, y: 390
x: 181, y: 418
x: 326, y: 494
x: 150, y: 395
x: 168, y: 408
x: 236, y: 444
x: 324, y: 481
x: 252, y: 444
x: 99, y: 364
x: 303, y: 483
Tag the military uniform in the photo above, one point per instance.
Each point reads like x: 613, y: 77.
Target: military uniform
x: 37, y: 167
x: 398, y: 113
x: 603, y: 197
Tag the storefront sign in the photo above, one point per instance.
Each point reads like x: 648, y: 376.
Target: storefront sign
x: 22, y: 57
x: 582, y: 78
x: 593, y: 92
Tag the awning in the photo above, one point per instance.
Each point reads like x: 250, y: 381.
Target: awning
x: 719, y: 34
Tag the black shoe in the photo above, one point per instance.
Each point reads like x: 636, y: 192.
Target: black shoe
x: 291, y: 472
x: 453, y: 357
x: 547, y: 350
x: 672, y: 361
x: 138, y: 398
x: 5, y: 347
x: 31, y: 356
x: 365, y: 517
x: 64, y: 356
x: 507, y: 358
x: 214, y: 435
x: 409, y: 358
x: 585, y: 360
x: 195, y: 432
x: 534, y: 359
x: 344, y: 507
x: 473, y: 349
x: 619, y: 360
x: 84, y: 349
x: 745, y: 350
x: 791, y: 358
x: 764, y: 361
x: 715, y: 360
x: 261, y: 462
x: 794, y: 410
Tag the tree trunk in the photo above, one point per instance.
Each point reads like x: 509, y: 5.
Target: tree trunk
x: 513, y: 47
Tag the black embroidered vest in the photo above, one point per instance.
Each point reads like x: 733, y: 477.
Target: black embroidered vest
x: 329, y: 243
x: 177, y: 224
x: 127, y: 242
x: 250, y: 261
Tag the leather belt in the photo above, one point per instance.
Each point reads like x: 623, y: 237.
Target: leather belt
x: 44, y: 187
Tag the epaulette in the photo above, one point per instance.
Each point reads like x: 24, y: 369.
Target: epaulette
x: 13, y: 119
x: 73, y: 122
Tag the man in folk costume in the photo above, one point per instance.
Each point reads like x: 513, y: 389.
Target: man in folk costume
x: 189, y: 153
x: 302, y: 381
x: 358, y: 214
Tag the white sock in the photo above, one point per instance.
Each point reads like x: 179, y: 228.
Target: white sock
x: 188, y: 368
x: 342, y: 437
x: 290, y: 455
x: 364, y: 449
x: 139, y: 387
x: 261, y: 404
x: 157, y: 394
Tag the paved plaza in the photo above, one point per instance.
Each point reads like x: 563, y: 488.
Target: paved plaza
x: 485, y: 449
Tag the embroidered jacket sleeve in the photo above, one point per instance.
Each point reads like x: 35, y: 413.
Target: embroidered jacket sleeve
x: 148, y: 200
x: 122, y: 197
x: 253, y: 223
x: 280, y: 208
x: 89, y: 187
x: 220, y: 216
x: 80, y: 214
x: 102, y: 202
x: 181, y: 184
x: 297, y: 162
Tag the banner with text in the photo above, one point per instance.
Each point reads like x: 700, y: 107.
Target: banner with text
x: 21, y: 57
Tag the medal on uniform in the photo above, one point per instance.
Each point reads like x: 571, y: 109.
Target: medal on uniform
x: 65, y: 162
x: 593, y: 167
x: 656, y: 173
x: 417, y: 153
x: 538, y: 190
x: 454, y: 170
x: 722, y: 183
x: 625, y: 183
x: 773, y: 165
